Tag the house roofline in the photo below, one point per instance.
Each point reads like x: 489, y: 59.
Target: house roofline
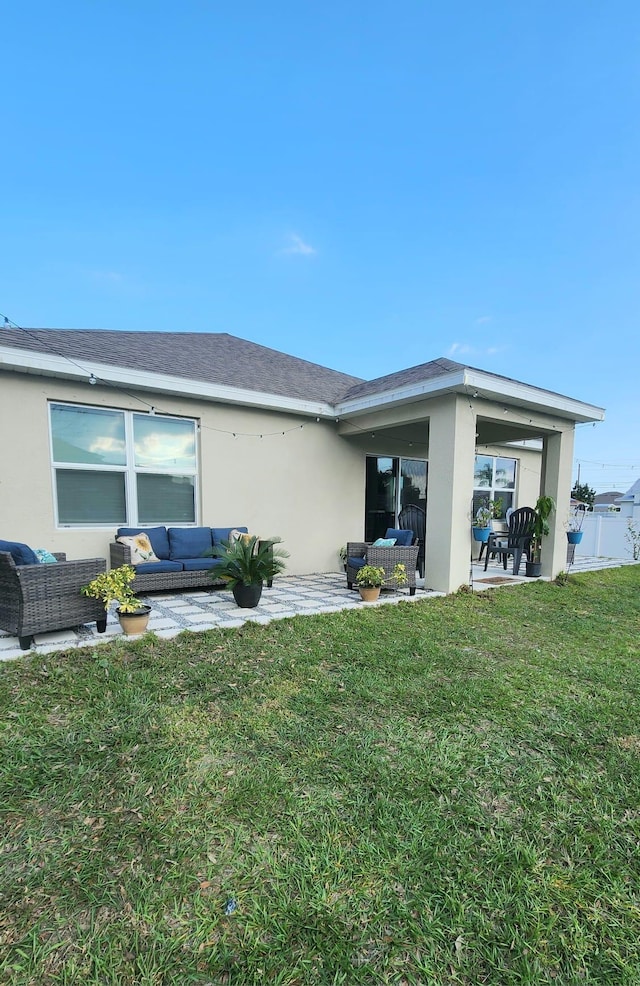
x: 475, y: 383
x: 468, y: 381
x: 41, y: 364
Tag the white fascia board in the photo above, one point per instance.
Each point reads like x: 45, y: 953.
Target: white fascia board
x: 488, y: 386
x: 44, y: 364
x: 524, y: 395
x: 448, y: 383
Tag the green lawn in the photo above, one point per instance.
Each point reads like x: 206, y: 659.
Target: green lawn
x: 441, y: 792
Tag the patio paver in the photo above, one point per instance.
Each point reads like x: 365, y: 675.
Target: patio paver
x: 198, y: 610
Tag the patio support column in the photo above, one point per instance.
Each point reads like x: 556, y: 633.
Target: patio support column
x: 557, y: 468
x: 452, y: 439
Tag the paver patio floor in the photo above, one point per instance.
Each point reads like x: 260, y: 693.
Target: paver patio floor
x: 206, y: 609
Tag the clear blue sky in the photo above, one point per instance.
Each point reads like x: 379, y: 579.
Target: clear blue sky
x: 364, y: 185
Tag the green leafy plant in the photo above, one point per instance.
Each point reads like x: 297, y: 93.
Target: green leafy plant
x: 496, y: 507
x: 483, y: 515
x: 248, y: 561
x: 114, y: 586
x: 342, y: 551
x: 545, y: 505
x: 373, y: 576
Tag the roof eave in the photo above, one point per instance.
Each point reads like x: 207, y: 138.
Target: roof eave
x: 475, y: 384
x: 40, y: 364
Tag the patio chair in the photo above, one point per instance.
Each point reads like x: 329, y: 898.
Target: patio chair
x: 403, y: 552
x: 516, y: 542
x: 414, y: 518
x: 37, y: 598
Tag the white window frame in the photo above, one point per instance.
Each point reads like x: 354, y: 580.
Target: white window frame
x: 494, y: 492
x: 130, y: 469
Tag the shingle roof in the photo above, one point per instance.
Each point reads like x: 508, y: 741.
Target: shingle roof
x: 210, y: 357
x: 403, y: 378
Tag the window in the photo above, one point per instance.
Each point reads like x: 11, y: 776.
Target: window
x: 494, y: 479
x: 118, y: 467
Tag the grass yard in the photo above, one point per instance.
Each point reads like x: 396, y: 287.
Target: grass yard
x: 436, y: 793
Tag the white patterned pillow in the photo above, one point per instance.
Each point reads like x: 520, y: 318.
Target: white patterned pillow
x: 140, y: 546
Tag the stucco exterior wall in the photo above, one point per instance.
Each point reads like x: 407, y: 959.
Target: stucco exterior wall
x: 307, y: 486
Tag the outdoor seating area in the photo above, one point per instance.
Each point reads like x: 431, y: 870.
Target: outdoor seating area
x: 214, y: 608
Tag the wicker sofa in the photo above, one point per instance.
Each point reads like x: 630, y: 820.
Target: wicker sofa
x: 37, y: 598
x: 183, y: 562
x: 361, y: 553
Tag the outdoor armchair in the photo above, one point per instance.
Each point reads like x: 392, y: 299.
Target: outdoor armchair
x: 517, y: 540
x: 37, y: 598
x: 361, y: 553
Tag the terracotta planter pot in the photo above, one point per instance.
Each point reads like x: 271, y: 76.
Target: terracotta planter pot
x: 133, y: 623
x: 369, y: 593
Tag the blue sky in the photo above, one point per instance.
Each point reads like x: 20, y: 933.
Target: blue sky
x: 366, y: 186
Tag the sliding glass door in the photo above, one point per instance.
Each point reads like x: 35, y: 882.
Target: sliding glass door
x: 391, y: 484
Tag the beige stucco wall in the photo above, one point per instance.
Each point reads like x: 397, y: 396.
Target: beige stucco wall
x: 307, y: 486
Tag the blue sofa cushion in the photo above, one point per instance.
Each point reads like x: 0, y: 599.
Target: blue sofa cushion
x: 157, y: 535
x: 222, y: 533
x: 189, y: 542
x: 22, y: 554
x: 404, y: 539
x: 200, y: 564
x: 157, y: 567
x: 356, y: 562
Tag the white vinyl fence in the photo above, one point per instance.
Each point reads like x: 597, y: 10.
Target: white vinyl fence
x: 605, y: 536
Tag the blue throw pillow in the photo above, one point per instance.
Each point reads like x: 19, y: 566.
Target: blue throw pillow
x: 22, y: 554
x: 403, y: 538
x: 384, y: 543
x: 45, y: 557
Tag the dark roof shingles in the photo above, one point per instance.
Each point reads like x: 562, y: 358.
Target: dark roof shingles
x: 210, y: 357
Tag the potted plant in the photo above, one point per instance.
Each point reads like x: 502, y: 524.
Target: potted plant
x: 545, y: 505
x: 496, y: 507
x: 114, y: 586
x: 482, y: 522
x: 342, y: 551
x: 371, y: 578
x: 246, y: 564
x: 574, y: 524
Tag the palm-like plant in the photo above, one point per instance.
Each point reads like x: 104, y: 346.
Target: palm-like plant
x: 248, y: 561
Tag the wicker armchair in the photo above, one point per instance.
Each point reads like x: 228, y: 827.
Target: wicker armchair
x: 38, y: 598
x: 386, y: 558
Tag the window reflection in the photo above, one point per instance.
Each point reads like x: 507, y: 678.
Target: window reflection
x: 166, y: 443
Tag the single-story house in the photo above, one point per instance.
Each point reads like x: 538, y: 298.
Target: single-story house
x: 102, y: 429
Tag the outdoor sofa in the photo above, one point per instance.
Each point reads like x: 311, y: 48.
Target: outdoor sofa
x: 184, y: 557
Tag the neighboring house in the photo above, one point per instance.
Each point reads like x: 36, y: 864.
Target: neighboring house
x: 606, y: 501
x: 630, y: 503
x: 108, y: 428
